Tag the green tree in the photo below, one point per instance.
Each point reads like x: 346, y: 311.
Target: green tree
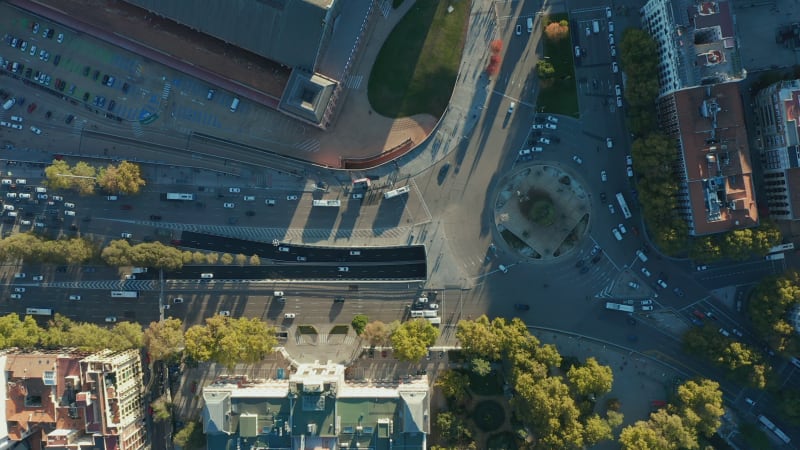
x: 789, y: 404
x: 226, y: 259
x: 117, y: 253
x: 410, y: 340
x: 241, y: 260
x: 546, y: 404
x: 454, y: 385
x: 642, y: 436
x: 481, y: 367
x: 212, y: 258
x: 769, y: 306
x: 126, y: 335
x: 230, y: 341
x: 190, y: 436
x: 162, y: 409
x: 164, y: 339
x: 674, y: 429
x: 700, y: 405
x: 544, y: 69
x: 478, y: 338
x: 255, y: 260
x: 359, y: 323
x: 55, y: 178
x: 596, y: 429
x: 84, y: 178
x: 125, y: 178
x: 453, y: 429
x: 591, y: 378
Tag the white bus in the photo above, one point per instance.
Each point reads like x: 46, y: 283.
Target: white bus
x: 399, y: 191
x: 124, y: 294
x: 177, y: 196
x: 334, y: 203
x: 782, y: 248
x: 39, y: 311
x: 623, y: 205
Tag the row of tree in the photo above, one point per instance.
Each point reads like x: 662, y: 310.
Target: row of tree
x: 770, y: 306
x: 654, y: 159
x: 740, y: 361
x: 410, y: 340
x: 62, y: 332
x: 31, y: 248
x: 120, y: 253
x: 123, y: 178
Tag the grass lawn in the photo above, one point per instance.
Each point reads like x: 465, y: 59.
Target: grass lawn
x: 417, y: 67
x: 559, y: 95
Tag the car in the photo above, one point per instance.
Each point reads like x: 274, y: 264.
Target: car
x: 702, y: 268
x: 618, y: 90
x: 646, y: 272
x: 628, y: 160
x: 32, y: 107
x: 577, y: 159
x: 33, y: 50
x: 130, y: 277
x: 646, y: 302
x: 343, y: 269
x: 647, y: 308
x: 57, y: 60
x: 35, y: 27
x: 155, y: 217
x: 724, y: 332
x: 511, y: 107
x: 126, y: 207
x: 38, y: 278
x: 629, y: 171
x: 737, y: 332
x: 588, y: 31
x: 229, y: 205
x: 23, y: 46
x: 622, y: 229
x: 234, y: 190
x: 111, y: 105
x: 269, y: 202
x: 551, y: 126
x: 603, y: 176
x: 577, y: 51
x: 111, y: 80
x: 225, y: 313
x: 518, y: 30
x: 74, y: 297
x: 36, y: 130
x: 614, y: 67
x: 302, y: 258
x: 619, y: 101
x: 609, y: 143
x: 69, y: 212
x: 291, y: 198
x: 16, y: 296
x: 20, y: 275
x: 289, y: 316
x: 69, y: 118
x: 19, y: 289
x: 608, y: 12
x: 522, y: 306
x: 679, y: 292
x: 610, y: 38
x: 16, y: 126
x: 662, y: 283
x: 544, y: 140
x: 126, y: 235
x: 177, y: 300
x: 748, y: 400
x: 357, y: 196
x: 611, y: 209
x: 633, y: 285
x: 111, y: 319
x: 538, y: 126
x: 616, y: 234
x: 60, y: 38
x: 125, y: 87
x: 603, y: 197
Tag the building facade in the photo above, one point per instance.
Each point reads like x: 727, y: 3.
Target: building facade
x: 315, y: 408
x: 778, y: 138
x: 73, y: 400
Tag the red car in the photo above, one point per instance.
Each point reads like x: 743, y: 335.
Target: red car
x: 126, y: 207
x: 32, y: 107
x: 194, y: 387
x: 699, y: 314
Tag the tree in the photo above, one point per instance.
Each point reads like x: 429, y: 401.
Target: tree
x: 544, y: 69
x: 481, y: 367
x: 410, y: 341
x: 452, y: 428
x: 591, y: 378
x: 54, y: 175
x: 255, y: 260
x: 674, y: 429
x: 641, y: 436
x: 479, y: 339
x: 769, y: 306
x: 596, y: 429
x: 125, y: 335
x: 190, y: 436
x: 226, y: 259
x: 241, y: 260
x: 789, y: 404
x: 84, y: 178
x: 454, y: 385
x: 546, y: 404
x: 376, y: 333
x: 162, y: 409
x: 359, y: 323
x: 117, y: 253
x: 164, y: 339
x: 494, y: 65
x: 556, y: 31
x: 125, y: 178
x: 230, y: 341
x: 700, y: 405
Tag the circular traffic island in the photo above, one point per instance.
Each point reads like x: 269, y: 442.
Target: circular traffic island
x: 542, y: 211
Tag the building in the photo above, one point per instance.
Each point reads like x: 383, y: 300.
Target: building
x: 777, y: 128
x: 315, y: 408
x: 715, y: 175
x: 317, y: 39
x: 72, y: 400
x: 696, y: 43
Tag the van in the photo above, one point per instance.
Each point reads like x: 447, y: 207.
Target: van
x: 207, y: 275
x: 596, y: 26
x: 417, y: 313
x: 641, y: 255
x: 234, y: 104
x: 530, y: 24
x: 430, y: 313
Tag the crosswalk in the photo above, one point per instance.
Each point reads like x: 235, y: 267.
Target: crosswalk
x: 308, y: 145
x: 111, y: 285
x: 353, y: 81
x: 386, y: 7
x: 165, y: 92
x: 136, y: 127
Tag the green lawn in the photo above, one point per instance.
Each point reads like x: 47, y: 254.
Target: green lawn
x: 559, y: 95
x: 417, y: 67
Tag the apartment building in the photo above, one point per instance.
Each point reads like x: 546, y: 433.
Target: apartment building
x: 65, y: 399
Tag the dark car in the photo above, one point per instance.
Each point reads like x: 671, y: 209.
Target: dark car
x: 105, y: 79
x: 111, y: 105
x: 584, y: 269
x: 338, y: 300
x: 603, y: 197
x: 32, y: 107
x: 678, y: 292
x: 126, y: 207
x: 250, y: 213
x: 69, y: 119
x: 56, y: 60
x: 28, y: 72
x: 96, y: 75
x: 155, y: 217
x: 125, y: 87
x: 48, y: 114
x: 86, y: 71
x: 522, y: 307
x: 86, y: 96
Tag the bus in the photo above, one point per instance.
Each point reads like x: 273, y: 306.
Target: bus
x: 781, y: 248
x: 777, y: 431
x: 399, y: 191
x: 334, y: 203
x: 39, y: 311
x: 124, y: 294
x: 623, y: 205
x: 177, y: 196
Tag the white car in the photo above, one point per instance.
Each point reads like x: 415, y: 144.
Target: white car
x: 11, y: 195
x: 610, y: 26
x: 662, y: 283
x: 234, y: 190
x: 344, y: 269
x: 646, y: 302
x: 60, y: 38
x: 249, y: 198
x: 111, y: 319
x: 614, y: 67
x: 622, y: 229
x: 19, y: 289
x: 130, y: 277
x: 603, y: 176
x: 647, y: 308
x: 24, y: 195
x: 126, y: 235
x: 737, y: 332
x: 7, y: 181
x: 646, y: 272
x: 16, y: 119
x: 228, y: 205
x: 16, y: 296
x: 358, y: 196
x: 609, y: 143
x: 69, y: 213
x: 38, y: 278
x: 74, y: 297
x: 629, y: 170
x: 611, y: 209
x: 551, y: 126
x: 16, y: 126
x: 25, y: 222
x: 619, y: 101
x: 293, y: 315
x: 610, y: 38
x: 518, y: 31
x: 225, y: 313
x: 577, y: 159
x: 633, y: 285
x: 544, y: 140
x: 58, y: 198
x: 20, y: 275
x: 702, y: 268
x: 553, y: 119
x: 67, y: 205
x: 538, y: 126
x: 616, y: 234
x: 608, y: 12
x: 511, y: 107
x: 628, y: 160
x: 618, y: 90
x: 291, y: 198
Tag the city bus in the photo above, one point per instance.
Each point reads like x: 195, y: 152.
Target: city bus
x: 124, y: 294
x: 623, y: 205
x: 334, y: 203
x: 177, y: 196
x: 39, y: 311
x: 395, y: 192
x: 782, y: 248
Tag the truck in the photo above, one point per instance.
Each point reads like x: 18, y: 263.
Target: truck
x: 776, y: 256
x: 619, y: 307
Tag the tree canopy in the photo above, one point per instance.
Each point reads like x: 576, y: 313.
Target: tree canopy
x: 769, y: 306
x: 411, y: 339
x: 230, y: 341
x: 63, y: 332
x: 124, y: 178
x: 164, y: 339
